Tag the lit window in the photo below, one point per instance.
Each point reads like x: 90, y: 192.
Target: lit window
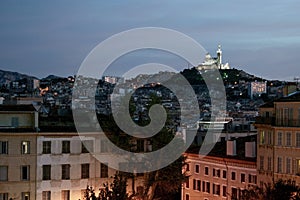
x: 65, y: 194
x: 25, y: 196
x: 25, y: 147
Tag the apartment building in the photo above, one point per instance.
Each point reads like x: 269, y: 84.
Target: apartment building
x: 49, y: 165
x: 229, y: 168
x: 279, y: 140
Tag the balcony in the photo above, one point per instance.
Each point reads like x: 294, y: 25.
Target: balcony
x: 277, y: 122
x: 265, y: 120
x: 287, y: 123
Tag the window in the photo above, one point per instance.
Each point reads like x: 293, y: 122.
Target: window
x: 15, y: 122
x: 207, y: 187
x: 288, y: 165
x: 46, y: 195
x: 187, y: 197
x: 262, y: 137
x: 233, y: 176
x: 252, y: 178
x: 46, y: 172
x: 25, y: 196
x: 65, y: 172
x: 65, y: 195
x: 206, y: 171
x: 234, y: 193
x: 298, y: 139
x: 140, y: 144
x: 269, y: 163
x: 279, y: 164
x: 65, y: 147
x: 216, y: 173
x: 224, y: 191
x: 3, y: 147
x: 224, y: 174
x: 279, y: 139
x: 216, y: 189
x: 197, y: 168
x: 187, y: 183
x: 198, y: 185
x: 25, y: 173
x: 243, y: 178
x: 46, y: 147
x: 3, y: 173
x: 203, y: 186
x: 87, y: 146
x: 85, y: 170
x: 103, y: 146
x: 298, y: 167
x: 25, y: 147
x: 3, y: 196
x: 269, y: 138
x: 104, y: 170
x: 261, y: 162
x: 288, y: 139
x: 187, y: 167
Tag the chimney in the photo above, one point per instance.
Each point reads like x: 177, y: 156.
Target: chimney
x: 231, y: 147
x: 250, y: 149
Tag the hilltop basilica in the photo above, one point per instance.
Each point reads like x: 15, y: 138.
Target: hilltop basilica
x: 213, y: 63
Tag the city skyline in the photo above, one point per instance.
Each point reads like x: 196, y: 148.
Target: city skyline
x: 42, y: 38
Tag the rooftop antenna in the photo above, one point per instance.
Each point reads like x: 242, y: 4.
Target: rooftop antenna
x: 296, y: 79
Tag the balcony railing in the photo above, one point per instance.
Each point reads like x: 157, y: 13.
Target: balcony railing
x: 287, y: 123
x: 277, y: 122
x: 265, y: 120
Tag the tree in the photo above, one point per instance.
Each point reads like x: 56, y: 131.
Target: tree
x: 114, y: 191
x: 281, y: 190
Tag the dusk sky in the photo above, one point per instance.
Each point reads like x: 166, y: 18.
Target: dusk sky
x: 53, y: 37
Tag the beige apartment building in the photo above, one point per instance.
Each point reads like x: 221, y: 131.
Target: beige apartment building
x: 49, y: 165
x: 278, y: 147
x: 228, y: 169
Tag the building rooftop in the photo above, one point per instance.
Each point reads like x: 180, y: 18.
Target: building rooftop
x: 16, y: 108
x: 293, y: 97
x: 219, y: 149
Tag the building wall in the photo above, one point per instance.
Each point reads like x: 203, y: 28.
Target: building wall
x: 279, y: 141
x: 76, y: 184
x: 25, y: 120
x: 14, y: 160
